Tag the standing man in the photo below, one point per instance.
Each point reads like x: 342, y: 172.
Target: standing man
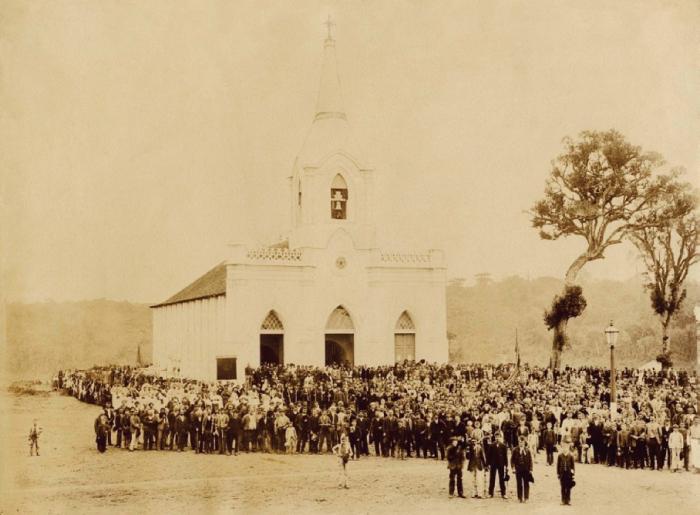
x: 675, y: 446
x: 34, y: 433
x: 109, y: 413
x: 477, y: 466
x: 455, y: 463
x: 222, y: 425
x: 653, y: 438
x: 565, y: 472
x: 102, y: 429
x: 324, y: 423
x: 623, y: 447
x: 118, y: 424
x: 126, y: 427
x: 664, y: 454
x: 498, y: 463
x: 521, y: 461
x: 134, y: 430
x: 550, y: 442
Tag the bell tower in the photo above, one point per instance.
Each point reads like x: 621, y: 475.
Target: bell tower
x: 331, y: 186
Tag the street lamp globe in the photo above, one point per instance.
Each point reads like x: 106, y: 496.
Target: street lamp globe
x: 611, y: 334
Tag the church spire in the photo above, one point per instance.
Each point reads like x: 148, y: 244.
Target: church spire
x: 330, y: 98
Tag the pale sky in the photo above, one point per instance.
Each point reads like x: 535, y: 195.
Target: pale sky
x: 139, y: 138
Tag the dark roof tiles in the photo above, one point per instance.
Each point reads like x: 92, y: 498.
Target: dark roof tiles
x: 211, y: 284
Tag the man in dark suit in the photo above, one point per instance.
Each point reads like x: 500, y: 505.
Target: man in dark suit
x: 419, y: 430
x: 664, y: 455
x: 623, y: 447
x: 565, y: 472
x: 455, y: 463
x: 110, y: 414
x: 498, y: 463
x: 550, y: 442
x: 521, y: 461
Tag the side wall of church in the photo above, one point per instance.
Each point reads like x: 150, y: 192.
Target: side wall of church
x: 188, y: 336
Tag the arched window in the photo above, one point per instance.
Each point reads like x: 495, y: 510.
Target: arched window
x: 404, y: 324
x: 272, y: 324
x: 340, y: 321
x: 272, y: 340
x: 404, y: 339
x: 339, y: 198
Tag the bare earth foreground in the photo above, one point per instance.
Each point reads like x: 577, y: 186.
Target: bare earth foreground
x: 71, y: 476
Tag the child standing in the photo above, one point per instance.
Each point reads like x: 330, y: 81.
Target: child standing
x: 344, y: 452
x: 34, y: 433
x: 290, y: 437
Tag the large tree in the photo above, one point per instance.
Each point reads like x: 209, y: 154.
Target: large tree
x: 599, y: 190
x: 668, y: 250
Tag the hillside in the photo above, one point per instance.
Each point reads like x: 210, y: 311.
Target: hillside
x: 43, y: 337
x: 482, y: 320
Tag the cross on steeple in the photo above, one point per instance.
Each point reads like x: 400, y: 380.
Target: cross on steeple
x: 329, y: 24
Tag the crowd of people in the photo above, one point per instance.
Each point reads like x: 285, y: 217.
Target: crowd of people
x: 403, y: 411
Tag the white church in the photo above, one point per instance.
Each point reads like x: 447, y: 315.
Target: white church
x: 327, y: 294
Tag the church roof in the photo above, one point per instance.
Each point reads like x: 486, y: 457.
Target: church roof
x: 211, y: 284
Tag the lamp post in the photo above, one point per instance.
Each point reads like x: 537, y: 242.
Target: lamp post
x: 611, y: 333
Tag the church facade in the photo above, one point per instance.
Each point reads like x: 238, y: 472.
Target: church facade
x: 327, y: 294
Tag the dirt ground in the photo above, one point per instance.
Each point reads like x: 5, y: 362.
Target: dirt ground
x: 71, y: 476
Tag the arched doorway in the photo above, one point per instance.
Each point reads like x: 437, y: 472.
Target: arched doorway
x: 272, y: 340
x: 404, y: 339
x: 340, y: 338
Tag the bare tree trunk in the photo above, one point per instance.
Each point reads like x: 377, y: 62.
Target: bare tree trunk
x: 575, y: 268
x: 666, y: 339
x: 558, y: 341
x: 559, y: 332
x: 555, y: 361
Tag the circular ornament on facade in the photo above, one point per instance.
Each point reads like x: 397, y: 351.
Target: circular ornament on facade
x: 340, y: 263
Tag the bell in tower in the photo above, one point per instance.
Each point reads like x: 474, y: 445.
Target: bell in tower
x: 339, y: 198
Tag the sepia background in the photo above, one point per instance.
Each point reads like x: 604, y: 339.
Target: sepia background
x: 141, y: 137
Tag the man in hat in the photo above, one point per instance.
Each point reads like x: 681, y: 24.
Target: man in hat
x: 550, y: 442
x: 134, y: 429
x: 521, y: 461
x: 110, y: 414
x: 455, y: 463
x: 477, y: 466
x: 565, y: 472
x: 162, y: 427
x: 102, y: 427
x: 497, y: 457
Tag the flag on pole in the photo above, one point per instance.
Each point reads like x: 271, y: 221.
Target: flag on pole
x: 517, y: 349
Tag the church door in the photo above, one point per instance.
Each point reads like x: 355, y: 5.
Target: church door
x: 272, y: 340
x: 340, y: 350
x: 340, y: 338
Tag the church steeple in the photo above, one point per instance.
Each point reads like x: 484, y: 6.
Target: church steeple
x: 330, y: 97
x: 331, y: 186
